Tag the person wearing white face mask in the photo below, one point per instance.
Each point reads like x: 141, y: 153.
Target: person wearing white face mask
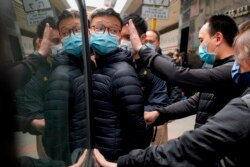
x: 65, y: 116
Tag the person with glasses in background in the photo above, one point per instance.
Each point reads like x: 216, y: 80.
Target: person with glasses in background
x: 65, y: 132
x: 119, y: 125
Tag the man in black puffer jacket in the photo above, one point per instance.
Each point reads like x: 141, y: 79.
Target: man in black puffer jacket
x: 118, y: 100
x: 65, y: 116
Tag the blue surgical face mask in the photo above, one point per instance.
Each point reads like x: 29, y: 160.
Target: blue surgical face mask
x: 103, y: 44
x: 241, y: 79
x: 151, y: 46
x: 207, y: 57
x: 72, y: 44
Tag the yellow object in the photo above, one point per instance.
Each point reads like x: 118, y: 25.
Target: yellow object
x: 153, y: 23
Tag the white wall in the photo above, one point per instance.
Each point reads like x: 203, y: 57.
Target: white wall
x: 27, y: 44
x: 169, y: 41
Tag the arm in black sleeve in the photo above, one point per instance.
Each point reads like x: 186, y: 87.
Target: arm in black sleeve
x: 226, y: 131
x: 197, y: 79
x: 178, y: 110
x: 24, y: 124
x: 21, y: 73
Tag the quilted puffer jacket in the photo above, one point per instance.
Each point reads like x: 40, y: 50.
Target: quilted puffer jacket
x: 65, y: 116
x: 118, y: 107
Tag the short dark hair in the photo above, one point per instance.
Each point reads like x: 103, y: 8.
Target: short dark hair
x: 68, y: 13
x: 224, y: 24
x: 140, y: 24
x: 157, y: 33
x: 105, y: 12
x: 41, y: 26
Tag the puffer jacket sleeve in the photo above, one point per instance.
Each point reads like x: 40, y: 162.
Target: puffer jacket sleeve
x: 226, y: 131
x: 178, y: 110
x: 56, y: 135
x: 78, y: 128
x: 129, y: 98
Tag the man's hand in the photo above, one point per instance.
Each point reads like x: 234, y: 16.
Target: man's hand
x: 38, y: 125
x: 46, y: 43
x: 150, y: 116
x: 81, y: 159
x: 134, y: 37
x: 102, y: 161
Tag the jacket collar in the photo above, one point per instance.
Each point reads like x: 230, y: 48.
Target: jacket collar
x: 116, y: 56
x: 223, y: 61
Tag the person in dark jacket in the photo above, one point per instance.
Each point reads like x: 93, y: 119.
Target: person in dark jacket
x: 30, y: 98
x: 13, y: 77
x: 154, y: 89
x: 117, y: 97
x: 65, y: 109
x: 161, y: 132
x: 216, y: 87
x: 225, y: 135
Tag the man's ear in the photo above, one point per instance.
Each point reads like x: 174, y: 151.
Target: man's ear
x: 143, y: 38
x: 38, y: 43
x: 89, y: 33
x: 219, y: 38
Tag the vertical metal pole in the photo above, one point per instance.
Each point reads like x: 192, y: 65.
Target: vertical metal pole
x: 89, y: 162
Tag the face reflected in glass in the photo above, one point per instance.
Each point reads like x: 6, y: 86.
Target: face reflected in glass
x: 125, y: 34
x: 68, y: 26
x: 55, y: 37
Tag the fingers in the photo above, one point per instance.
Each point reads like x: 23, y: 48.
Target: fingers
x: 150, y: 116
x: 82, y: 157
x: 44, y: 49
x: 98, y: 155
x: 134, y: 37
x: 98, y: 158
x: 47, y: 31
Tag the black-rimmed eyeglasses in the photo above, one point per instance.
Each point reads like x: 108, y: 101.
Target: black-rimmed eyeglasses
x: 100, y: 29
x: 67, y: 32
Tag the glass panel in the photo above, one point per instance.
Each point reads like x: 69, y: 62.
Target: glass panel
x: 45, y: 68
